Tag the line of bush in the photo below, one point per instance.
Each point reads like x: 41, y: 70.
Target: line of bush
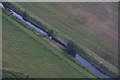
x: 27, y: 17
x: 71, y: 47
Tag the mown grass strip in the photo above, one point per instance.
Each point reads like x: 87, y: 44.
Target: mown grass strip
x: 60, y: 23
x: 28, y: 56
x: 53, y: 49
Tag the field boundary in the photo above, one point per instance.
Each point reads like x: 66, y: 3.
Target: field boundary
x: 36, y: 38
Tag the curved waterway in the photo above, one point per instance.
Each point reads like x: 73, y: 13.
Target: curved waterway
x: 88, y: 65
x: 77, y: 57
x: 28, y: 23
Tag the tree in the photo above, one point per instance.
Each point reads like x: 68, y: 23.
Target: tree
x: 50, y: 32
x: 25, y: 15
x: 7, y: 5
x: 71, y: 48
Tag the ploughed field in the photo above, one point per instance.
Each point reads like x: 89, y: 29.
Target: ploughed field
x: 92, y: 26
x: 23, y: 53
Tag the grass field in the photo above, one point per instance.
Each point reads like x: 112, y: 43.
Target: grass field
x: 26, y: 53
x: 11, y: 74
x: 98, y: 35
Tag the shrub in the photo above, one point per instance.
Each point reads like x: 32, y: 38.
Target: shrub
x: 71, y: 48
x: 50, y: 32
x: 26, y: 16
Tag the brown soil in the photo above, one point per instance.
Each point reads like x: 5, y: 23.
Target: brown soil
x: 105, y: 29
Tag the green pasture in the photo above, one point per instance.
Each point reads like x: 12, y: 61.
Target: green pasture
x: 25, y: 52
x: 67, y: 27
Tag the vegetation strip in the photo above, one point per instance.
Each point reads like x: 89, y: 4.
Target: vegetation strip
x: 56, y: 51
x: 35, y: 61
x: 59, y: 20
x: 86, y: 56
x: 71, y: 50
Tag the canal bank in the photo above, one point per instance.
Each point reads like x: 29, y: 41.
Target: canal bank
x: 78, y: 57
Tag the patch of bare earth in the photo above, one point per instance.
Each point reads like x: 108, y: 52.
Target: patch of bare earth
x: 102, y: 28
x: 102, y: 24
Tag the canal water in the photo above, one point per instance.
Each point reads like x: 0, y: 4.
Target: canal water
x: 28, y: 23
x: 77, y: 57
x: 87, y: 64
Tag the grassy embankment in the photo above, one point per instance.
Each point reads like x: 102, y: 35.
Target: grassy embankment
x: 63, y: 19
x: 27, y: 53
